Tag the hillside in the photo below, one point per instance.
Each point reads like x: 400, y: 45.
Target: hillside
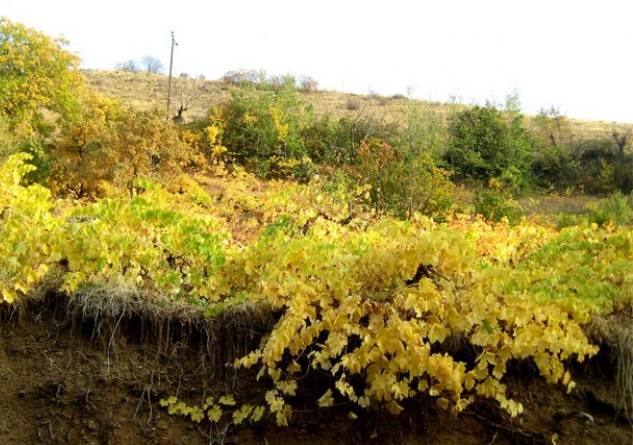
x: 147, y: 90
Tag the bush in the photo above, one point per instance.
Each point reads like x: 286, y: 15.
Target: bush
x: 616, y: 209
x: 238, y: 77
x: 308, y: 85
x: 484, y: 142
x: 129, y: 66
x: 261, y: 126
x: 402, y: 183
x: 352, y: 104
x: 112, y: 144
x: 336, y: 141
x: 39, y: 81
x: 152, y: 64
x: 279, y: 81
x: 556, y: 167
x: 603, y: 167
x: 566, y: 219
x: 495, y: 204
x: 423, y: 130
x: 561, y: 159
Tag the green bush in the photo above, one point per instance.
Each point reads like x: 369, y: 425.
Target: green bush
x: 336, y: 141
x: 616, y: 209
x: 484, y: 142
x: 403, y: 183
x: 423, y: 130
x: 261, y: 123
x: 566, y: 219
x: 495, y: 204
x: 556, y: 167
x: 562, y: 159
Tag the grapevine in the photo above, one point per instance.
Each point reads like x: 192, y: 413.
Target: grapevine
x: 370, y: 300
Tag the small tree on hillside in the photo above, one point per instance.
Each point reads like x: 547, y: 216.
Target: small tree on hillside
x: 187, y: 93
x: 129, y: 66
x: 308, y: 85
x: 152, y: 64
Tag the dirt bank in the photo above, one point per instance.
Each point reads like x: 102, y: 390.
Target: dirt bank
x: 66, y: 382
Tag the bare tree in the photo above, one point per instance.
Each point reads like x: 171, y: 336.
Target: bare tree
x: 129, y: 65
x: 187, y: 94
x: 152, y: 64
x: 236, y: 77
x: 308, y: 85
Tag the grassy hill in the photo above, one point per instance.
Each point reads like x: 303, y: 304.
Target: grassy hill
x: 146, y: 90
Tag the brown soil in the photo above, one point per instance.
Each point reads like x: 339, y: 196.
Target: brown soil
x: 66, y: 382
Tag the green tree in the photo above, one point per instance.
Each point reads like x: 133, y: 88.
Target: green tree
x: 485, y: 142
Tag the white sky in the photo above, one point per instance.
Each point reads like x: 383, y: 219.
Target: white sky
x: 577, y: 55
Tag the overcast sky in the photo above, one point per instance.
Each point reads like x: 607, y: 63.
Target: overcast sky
x: 577, y: 55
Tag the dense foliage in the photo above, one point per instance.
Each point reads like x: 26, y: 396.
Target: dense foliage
x: 36, y: 75
x: 484, y: 143
x: 368, y: 300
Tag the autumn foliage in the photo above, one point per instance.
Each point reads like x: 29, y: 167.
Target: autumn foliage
x: 371, y: 277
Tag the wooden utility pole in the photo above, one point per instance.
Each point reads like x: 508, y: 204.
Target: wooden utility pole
x: 171, y: 65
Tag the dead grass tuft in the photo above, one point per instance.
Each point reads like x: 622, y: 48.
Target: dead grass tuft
x: 616, y: 333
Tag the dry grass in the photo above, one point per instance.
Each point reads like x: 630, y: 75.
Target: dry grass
x: 147, y: 90
x: 616, y: 333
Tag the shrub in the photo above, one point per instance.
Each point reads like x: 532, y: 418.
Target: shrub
x: 129, y: 66
x: 423, y: 130
x: 352, y: 104
x: 402, y: 183
x: 336, y: 141
x: 484, y: 142
x: 596, y: 165
x: 604, y: 167
x: 39, y: 81
x: 616, y: 209
x: 556, y: 167
x: 260, y: 125
x: 495, y: 204
x: 279, y: 81
x: 152, y: 64
x: 238, y: 77
x: 308, y: 85
x: 566, y: 219
x: 109, y: 143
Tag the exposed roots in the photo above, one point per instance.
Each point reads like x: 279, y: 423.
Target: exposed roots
x: 107, y: 313
x: 616, y: 333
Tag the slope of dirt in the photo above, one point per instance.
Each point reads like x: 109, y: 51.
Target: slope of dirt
x: 62, y: 384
